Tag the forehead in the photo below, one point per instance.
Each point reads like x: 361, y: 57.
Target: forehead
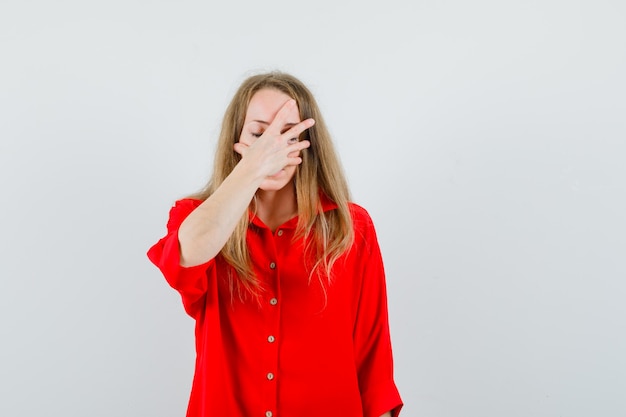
x: 265, y: 104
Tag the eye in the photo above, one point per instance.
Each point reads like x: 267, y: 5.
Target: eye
x: 256, y: 135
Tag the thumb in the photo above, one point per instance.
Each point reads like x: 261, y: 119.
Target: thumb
x: 240, y: 148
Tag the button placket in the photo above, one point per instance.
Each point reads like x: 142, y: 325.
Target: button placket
x: 272, y: 326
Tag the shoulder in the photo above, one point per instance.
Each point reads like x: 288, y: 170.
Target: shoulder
x: 362, y: 224
x: 360, y: 216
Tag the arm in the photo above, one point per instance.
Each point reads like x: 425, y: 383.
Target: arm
x: 205, y: 231
x: 371, y: 332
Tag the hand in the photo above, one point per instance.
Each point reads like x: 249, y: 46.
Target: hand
x: 274, y: 150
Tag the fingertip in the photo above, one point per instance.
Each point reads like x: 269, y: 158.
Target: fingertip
x: 295, y: 160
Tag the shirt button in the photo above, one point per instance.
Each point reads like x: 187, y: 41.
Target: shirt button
x: 272, y: 265
x: 271, y: 339
x: 280, y: 233
x: 273, y: 301
x: 268, y: 414
x: 270, y: 376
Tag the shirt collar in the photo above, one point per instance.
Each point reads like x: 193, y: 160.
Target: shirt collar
x: 326, y: 204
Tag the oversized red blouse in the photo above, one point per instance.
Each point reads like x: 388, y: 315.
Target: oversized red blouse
x: 299, y: 353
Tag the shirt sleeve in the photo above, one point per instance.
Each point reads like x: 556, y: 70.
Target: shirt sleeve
x: 190, y: 282
x: 372, y: 341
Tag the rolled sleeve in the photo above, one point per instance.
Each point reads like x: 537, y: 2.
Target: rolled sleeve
x: 190, y: 282
x: 380, y: 399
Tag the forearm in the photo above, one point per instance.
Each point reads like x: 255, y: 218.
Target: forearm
x: 205, y: 231
x: 387, y: 414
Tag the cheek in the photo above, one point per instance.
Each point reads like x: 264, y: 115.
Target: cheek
x: 290, y: 171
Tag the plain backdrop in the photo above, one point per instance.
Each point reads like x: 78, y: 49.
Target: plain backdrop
x: 486, y: 138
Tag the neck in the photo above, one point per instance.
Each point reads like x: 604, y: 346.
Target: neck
x: 276, y: 207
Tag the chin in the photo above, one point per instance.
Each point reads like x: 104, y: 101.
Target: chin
x: 272, y: 185
x: 277, y: 182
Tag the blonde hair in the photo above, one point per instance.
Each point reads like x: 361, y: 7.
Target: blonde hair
x: 329, y: 234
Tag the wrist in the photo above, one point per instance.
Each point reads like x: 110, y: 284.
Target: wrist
x: 249, y: 173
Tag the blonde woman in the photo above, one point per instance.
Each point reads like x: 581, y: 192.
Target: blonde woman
x: 281, y: 272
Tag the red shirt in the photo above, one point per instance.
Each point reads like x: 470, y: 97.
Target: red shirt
x: 299, y: 353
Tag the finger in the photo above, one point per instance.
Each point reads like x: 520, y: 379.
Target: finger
x: 282, y: 116
x: 298, y: 146
x: 297, y: 130
x: 293, y: 157
x: 295, y: 160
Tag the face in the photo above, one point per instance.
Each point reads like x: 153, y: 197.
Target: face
x: 263, y: 107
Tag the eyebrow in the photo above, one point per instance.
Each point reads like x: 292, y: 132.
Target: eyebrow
x: 266, y: 123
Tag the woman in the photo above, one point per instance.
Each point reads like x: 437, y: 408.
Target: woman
x: 282, y: 274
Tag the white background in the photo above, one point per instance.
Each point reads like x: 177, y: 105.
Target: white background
x: 486, y: 138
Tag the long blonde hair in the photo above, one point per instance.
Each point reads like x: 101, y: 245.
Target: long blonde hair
x: 329, y: 234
